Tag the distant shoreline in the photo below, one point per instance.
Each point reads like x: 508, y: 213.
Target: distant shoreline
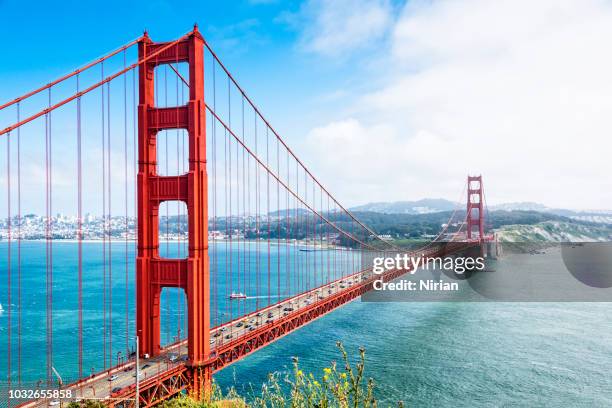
x: 273, y: 242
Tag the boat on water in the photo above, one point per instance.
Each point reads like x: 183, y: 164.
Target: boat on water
x: 238, y: 295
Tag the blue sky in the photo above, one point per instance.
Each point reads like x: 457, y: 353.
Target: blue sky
x: 258, y: 39
x: 384, y: 99
x: 264, y: 43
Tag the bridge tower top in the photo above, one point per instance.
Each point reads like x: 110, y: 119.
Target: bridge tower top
x: 475, y: 208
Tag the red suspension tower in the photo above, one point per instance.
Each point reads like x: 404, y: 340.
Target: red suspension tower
x: 475, y: 207
x: 153, y: 272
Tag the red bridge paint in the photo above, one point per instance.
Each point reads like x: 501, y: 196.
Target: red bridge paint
x: 154, y: 273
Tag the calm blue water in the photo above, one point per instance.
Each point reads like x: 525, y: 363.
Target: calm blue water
x: 245, y: 267
x: 426, y: 354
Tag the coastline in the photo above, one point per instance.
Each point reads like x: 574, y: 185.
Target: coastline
x: 273, y: 242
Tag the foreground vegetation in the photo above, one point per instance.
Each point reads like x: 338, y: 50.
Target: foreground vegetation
x: 339, y: 385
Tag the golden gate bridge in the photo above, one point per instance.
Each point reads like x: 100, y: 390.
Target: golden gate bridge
x: 158, y: 124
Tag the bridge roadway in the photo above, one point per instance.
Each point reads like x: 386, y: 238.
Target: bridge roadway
x: 104, y: 385
x: 118, y: 383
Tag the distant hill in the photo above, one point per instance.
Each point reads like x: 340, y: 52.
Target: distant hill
x: 435, y: 205
x: 424, y: 206
x: 599, y: 216
x: 520, y: 206
x: 417, y: 225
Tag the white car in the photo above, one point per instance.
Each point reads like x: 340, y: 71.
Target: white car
x: 113, y: 377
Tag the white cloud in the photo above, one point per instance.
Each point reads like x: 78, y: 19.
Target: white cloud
x: 336, y: 28
x: 519, y: 91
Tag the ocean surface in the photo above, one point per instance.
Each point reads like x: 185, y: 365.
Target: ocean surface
x: 425, y: 354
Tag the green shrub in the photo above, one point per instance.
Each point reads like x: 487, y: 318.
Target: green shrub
x: 86, y: 404
x: 337, y: 386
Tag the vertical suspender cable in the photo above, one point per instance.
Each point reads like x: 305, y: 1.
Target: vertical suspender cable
x: 324, y: 226
x: 19, y: 315
x: 328, y: 244
x: 229, y: 216
x: 8, y: 266
x: 110, y: 238
x: 316, y: 240
x: 103, y: 216
x: 239, y: 248
x: 287, y: 221
x: 278, y: 263
x: 51, y: 235
x: 48, y: 356
x: 135, y: 153
x: 268, y: 205
x: 47, y: 238
x: 306, y: 225
x: 248, y: 211
x: 334, y: 248
x: 226, y: 263
x: 258, y: 232
x: 80, y: 229
x: 237, y: 228
x: 244, y: 216
x: 125, y: 203
x: 336, y: 244
x: 312, y: 277
x: 296, y: 232
x: 238, y: 251
x: 314, y: 235
x: 354, y: 249
x: 215, y: 249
